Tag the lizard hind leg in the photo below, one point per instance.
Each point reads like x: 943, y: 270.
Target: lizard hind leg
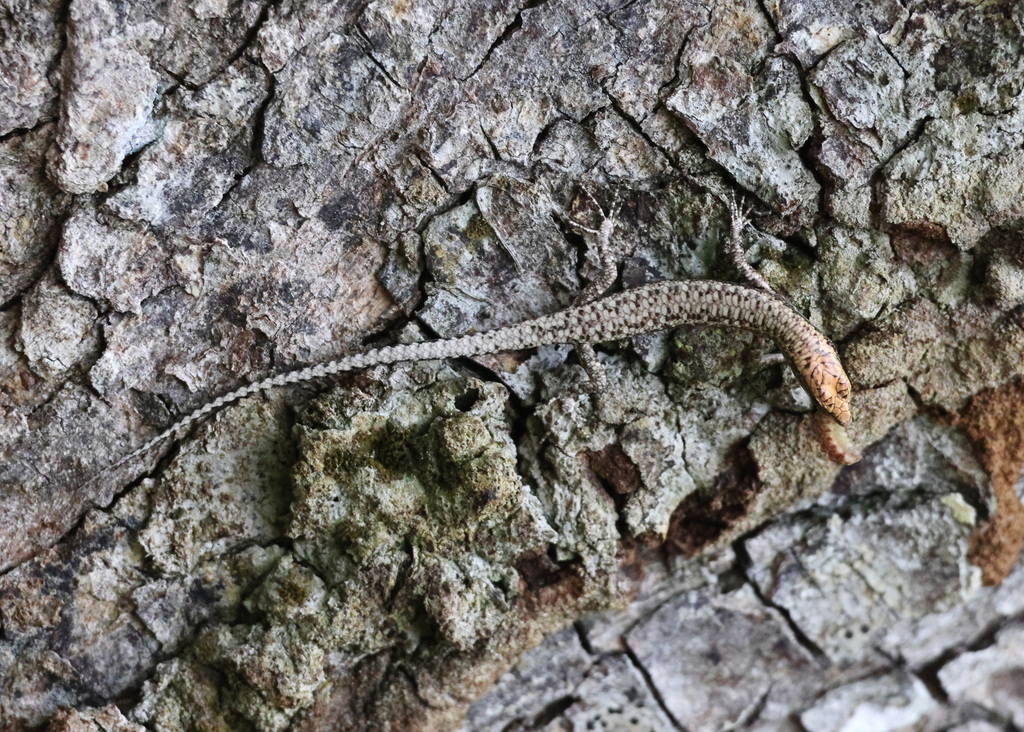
x: 597, y: 378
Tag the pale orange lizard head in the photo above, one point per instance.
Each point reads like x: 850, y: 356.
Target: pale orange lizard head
x: 828, y: 383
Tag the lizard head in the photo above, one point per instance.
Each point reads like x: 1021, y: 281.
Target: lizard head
x: 828, y: 383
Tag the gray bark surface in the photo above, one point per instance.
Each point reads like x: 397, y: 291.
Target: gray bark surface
x: 197, y: 195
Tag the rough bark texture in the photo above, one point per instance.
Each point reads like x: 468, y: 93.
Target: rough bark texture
x: 197, y: 194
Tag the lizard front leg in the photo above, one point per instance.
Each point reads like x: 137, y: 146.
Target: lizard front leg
x: 601, y: 238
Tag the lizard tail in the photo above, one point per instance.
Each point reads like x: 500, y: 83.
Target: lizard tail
x: 476, y: 344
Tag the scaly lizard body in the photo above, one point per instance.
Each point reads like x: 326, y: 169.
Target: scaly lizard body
x: 623, y: 315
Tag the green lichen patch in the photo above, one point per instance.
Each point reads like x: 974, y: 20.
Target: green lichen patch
x: 960, y: 176
x: 861, y: 279
x: 407, y: 525
x: 420, y: 491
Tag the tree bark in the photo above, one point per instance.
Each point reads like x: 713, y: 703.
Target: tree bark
x: 198, y: 195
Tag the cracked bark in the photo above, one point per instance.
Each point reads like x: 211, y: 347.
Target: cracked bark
x: 199, y: 194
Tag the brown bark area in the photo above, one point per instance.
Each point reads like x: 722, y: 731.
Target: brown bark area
x: 995, y: 421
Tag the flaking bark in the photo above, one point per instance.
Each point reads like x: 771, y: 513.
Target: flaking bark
x: 197, y: 195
